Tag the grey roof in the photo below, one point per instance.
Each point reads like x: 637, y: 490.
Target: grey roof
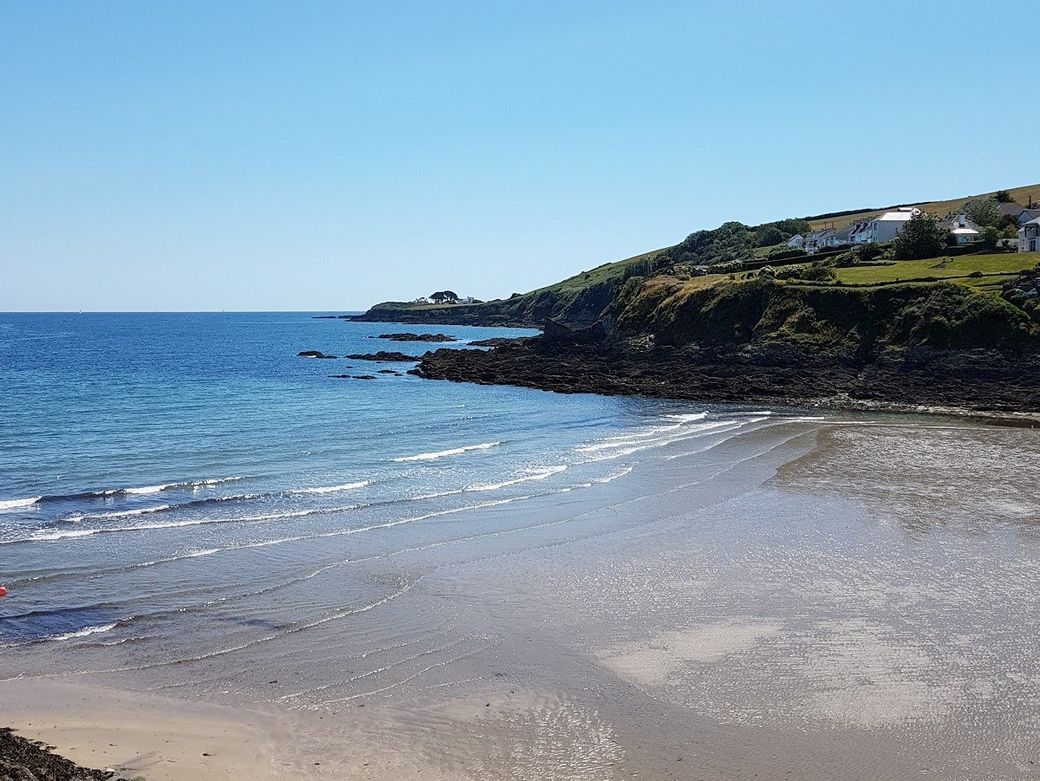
x: 1014, y: 209
x: 953, y: 221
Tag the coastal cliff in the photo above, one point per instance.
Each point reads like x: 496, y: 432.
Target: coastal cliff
x: 726, y: 316
x: 936, y: 346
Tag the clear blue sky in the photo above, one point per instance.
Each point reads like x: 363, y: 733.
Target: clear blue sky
x: 309, y: 155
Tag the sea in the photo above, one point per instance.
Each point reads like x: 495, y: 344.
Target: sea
x: 152, y: 464
x: 402, y: 578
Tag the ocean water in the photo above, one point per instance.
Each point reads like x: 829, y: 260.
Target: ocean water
x: 427, y: 580
x: 155, y: 464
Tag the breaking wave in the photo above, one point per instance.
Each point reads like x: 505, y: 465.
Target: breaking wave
x: 455, y: 451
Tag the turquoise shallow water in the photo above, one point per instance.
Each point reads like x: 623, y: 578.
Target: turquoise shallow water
x: 133, y: 447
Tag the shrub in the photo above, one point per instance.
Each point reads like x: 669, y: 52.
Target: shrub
x: 989, y: 237
x: 814, y: 272
x: 787, y: 253
x: 865, y: 253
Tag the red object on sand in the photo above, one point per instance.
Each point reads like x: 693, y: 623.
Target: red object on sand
x: 3, y: 592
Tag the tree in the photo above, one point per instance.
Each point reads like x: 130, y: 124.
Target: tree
x: 989, y: 237
x: 923, y: 236
x: 768, y: 235
x: 983, y: 212
x: 1003, y: 196
x: 444, y: 297
x: 793, y: 226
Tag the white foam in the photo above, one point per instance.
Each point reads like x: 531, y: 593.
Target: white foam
x: 86, y: 631
x: 47, y: 536
x: 14, y: 504
x: 612, y: 475
x: 121, y: 514
x: 691, y: 432
x: 540, y: 474
x: 154, y: 489
x: 688, y: 417
x: 330, y: 489
x: 455, y: 451
x: 61, y: 535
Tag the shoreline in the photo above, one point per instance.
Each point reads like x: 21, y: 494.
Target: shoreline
x: 637, y: 629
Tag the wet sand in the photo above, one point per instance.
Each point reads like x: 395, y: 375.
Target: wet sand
x: 813, y: 599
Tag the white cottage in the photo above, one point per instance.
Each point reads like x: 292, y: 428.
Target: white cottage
x: 964, y: 230
x: 1029, y: 236
x: 889, y: 225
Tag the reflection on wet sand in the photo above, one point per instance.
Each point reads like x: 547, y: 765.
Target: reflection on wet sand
x: 809, y: 599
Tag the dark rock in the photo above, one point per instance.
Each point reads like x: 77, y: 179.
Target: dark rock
x: 785, y: 375
x: 389, y: 371
x: 364, y: 377
x: 555, y: 331
x: 22, y: 759
x: 314, y: 354
x: 498, y: 341
x: 383, y: 355
x: 410, y: 337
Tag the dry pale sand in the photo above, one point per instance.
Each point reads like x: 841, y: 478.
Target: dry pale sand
x: 159, y: 738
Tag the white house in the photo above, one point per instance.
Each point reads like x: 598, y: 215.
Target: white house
x: 796, y: 241
x: 964, y: 230
x: 1029, y: 236
x: 817, y: 240
x: 848, y: 234
x: 889, y: 225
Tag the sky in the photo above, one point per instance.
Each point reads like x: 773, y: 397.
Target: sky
x: 329, y: 155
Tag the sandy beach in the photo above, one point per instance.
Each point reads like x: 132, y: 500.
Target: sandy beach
x: 812, y: 599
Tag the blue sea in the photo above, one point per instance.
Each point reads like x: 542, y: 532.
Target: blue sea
x: 397, y: 577
x: 135, y: 448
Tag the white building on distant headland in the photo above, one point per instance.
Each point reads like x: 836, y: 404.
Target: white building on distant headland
x: 964, y: 231
x: 1029, y: 236
x: 888, y: 225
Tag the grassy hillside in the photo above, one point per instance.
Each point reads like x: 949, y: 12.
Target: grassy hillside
x: 610, y: 288
x: 939, y: 208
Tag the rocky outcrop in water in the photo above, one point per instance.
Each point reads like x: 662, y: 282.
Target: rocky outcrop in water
x: 383, y: 355
x: 410, y: 337
x: 497, y: 341
x: 315, y: 354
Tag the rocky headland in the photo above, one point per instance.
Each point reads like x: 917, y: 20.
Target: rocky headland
x: 906, y: 346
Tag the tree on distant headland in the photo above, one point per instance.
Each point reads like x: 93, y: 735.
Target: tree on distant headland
x: 922, y: 237
x: 444, y: 297
x: 1003, y: 196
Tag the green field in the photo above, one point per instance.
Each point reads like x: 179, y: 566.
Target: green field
x: 996, y: 269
